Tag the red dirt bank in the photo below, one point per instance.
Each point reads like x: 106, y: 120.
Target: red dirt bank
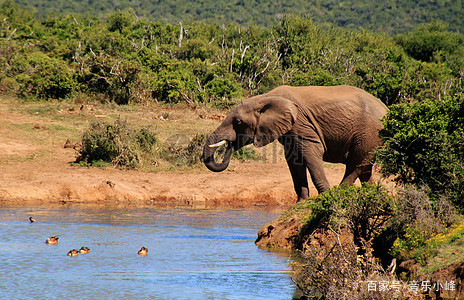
x: 242, y: 185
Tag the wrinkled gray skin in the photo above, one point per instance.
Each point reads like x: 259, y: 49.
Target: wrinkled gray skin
x: 336, y: 124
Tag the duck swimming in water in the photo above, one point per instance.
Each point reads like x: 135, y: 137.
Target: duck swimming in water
x: 73, y: 252
x: 84, y: 250
x: 31, y: 219
x: 143, y: 251
x: 53, y: 240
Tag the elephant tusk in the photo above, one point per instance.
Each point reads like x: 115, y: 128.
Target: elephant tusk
x: 218, y: 144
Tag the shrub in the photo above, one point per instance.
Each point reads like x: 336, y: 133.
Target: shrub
x: 119, y: 21
x: 222, y: 90
x: 416, y: 220
x: 381, y: 69
x: 338, y: 267
x: 337, y: 272
x: 414, y: 207
x: 116, y: 143
x: 428, y: 80
x: 246, y: 153
x: 115, y: 78
x: 43, y: 77
x: 364, y: 210
x: 430, y: 41
x: 424, y: 146
x: 179, y: 154
x: 196, y: 49
x: 177, y: 83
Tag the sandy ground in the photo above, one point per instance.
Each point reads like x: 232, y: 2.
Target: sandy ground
x: 53, y: 180
x: 242, y: 185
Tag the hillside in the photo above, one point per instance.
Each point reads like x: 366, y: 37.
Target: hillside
x: 385, y: 16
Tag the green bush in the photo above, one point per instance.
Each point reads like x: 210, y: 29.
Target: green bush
x: 185, y: 155
x: 364, y: 210
x: 117, y: 143
x: 338, y: 266
x: 119, y: 21
x: 430, y: 42
x: 126, y: 58
x: 381, y: 69
x: 43, y: 77
x: 117, y: 79
x: 222, y: 90
x: 246, y: 153
x: 196, y: 49
x: 424, y: 146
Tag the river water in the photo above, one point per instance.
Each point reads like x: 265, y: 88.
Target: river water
x: 192, y: 254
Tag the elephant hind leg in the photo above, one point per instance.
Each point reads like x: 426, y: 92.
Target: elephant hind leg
x: 353, y: 171
x: 366, y: 174
x: 350, y: 176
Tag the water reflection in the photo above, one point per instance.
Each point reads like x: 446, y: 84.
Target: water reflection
x: 193, y: 254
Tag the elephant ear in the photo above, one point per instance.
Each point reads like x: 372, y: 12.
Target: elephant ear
x: 276, y: 117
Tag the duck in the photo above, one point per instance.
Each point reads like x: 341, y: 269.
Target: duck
x: 84, y: 250
x: 143, y: 251
x: 73, y: 252
x: 31, y: 219
x: 53, y: 240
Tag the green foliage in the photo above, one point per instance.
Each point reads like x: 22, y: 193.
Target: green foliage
x: 126, y: 58
x: 382, y: 67
x: 116, y: 143
x: 424, y: 146
x: 388, y: 16
x: 116, y: 79
x: 364, y: 210
x: 407, y: 225
x: 187, y: 155
x: 425, y: 81
x: 120, y: 21
x: 246, y: 153
x: 430, y: 42
x: 336, y: 264
x: 422, y: 226
x: 43, y: 77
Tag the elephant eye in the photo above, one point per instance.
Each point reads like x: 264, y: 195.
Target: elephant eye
x: 237, y: 122
x: 266, y: 107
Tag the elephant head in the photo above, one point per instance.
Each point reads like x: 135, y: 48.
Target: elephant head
x: 258, y: 120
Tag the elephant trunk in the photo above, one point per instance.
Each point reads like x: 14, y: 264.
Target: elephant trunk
x: 211, y: 145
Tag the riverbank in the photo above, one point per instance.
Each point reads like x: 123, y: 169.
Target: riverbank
x: 338, y: 261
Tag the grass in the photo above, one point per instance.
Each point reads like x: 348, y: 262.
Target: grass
x: 299, y: 210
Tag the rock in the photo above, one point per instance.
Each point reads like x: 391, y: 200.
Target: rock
x: 279, y: 234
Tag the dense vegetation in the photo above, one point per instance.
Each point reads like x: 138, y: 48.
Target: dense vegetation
x: 386, y: 16
x: 124, y: 58
x: 364, y: 233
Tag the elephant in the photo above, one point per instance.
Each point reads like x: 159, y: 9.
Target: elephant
x: 337, y: 124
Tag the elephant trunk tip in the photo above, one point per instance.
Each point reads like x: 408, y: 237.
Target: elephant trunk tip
x: 208, y: 156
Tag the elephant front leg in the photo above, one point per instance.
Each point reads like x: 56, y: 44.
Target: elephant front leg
x: 300, y: 179
x: 297, y: 169
x: 313, y: 154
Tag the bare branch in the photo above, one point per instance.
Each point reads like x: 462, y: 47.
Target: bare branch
x: 11, y: 35
x: 181, y: 35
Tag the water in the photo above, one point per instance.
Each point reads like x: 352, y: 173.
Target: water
x: 192, y: 254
